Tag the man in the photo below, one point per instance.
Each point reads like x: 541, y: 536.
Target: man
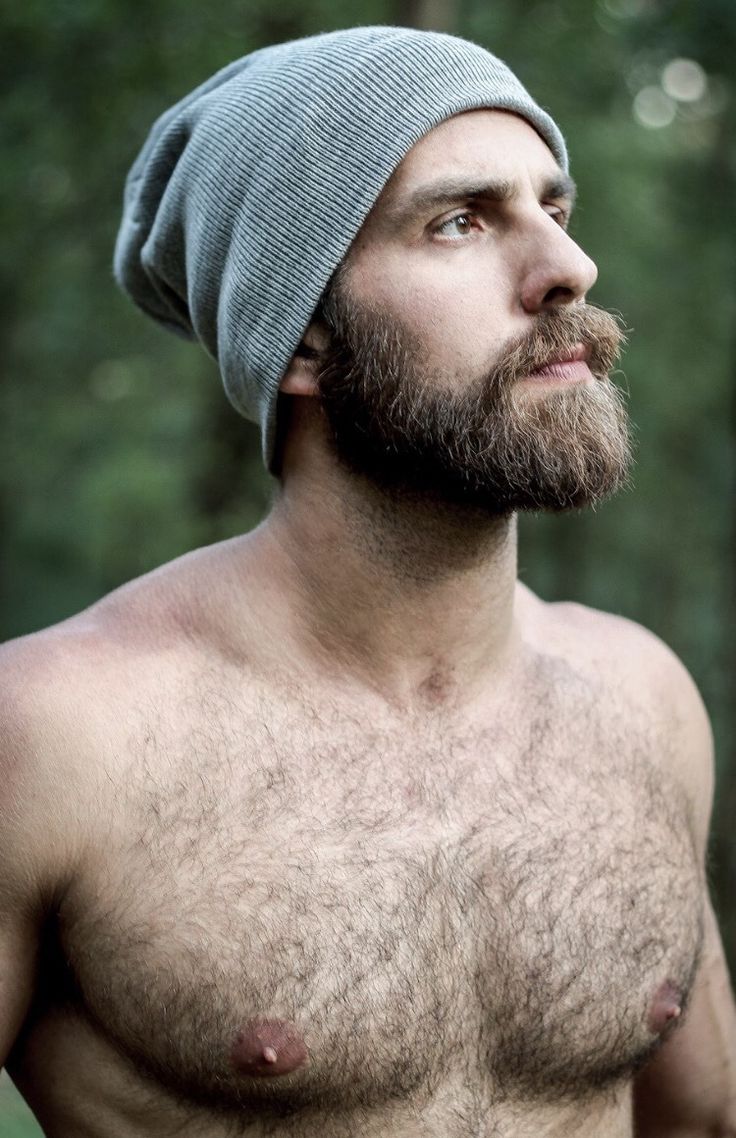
x: 336, y: 828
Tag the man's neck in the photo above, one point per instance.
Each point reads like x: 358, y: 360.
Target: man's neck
x: 410, y: 598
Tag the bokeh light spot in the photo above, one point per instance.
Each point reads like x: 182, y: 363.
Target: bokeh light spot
x: 684, y: 80
x: 654, y: 108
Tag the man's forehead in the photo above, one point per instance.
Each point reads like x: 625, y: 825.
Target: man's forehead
x: 498, y: 145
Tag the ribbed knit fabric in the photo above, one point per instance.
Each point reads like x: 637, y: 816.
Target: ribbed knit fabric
x: 248, y: 193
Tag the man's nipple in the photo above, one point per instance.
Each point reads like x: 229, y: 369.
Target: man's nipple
x: 268, y: 1047
x: 665, y: 1008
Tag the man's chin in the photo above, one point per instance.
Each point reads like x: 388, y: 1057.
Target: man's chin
x: 552, y: 486
x: 495, y: 502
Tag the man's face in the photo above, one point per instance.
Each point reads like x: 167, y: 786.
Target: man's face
x: 460, y: 290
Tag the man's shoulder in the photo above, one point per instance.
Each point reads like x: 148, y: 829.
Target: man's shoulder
x: 44, y: 674
x: 53, y: 680
x: 40, y: 672
x: 40, y: 737
x: 148, y: 615
x: 67, y: 697
x: 627, y: 652
x: 50, y: 682
x: 609, y: 644
x: 68, y: 687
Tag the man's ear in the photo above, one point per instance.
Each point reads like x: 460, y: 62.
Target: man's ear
x: 300, y: 377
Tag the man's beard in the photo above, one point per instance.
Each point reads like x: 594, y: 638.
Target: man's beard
x: 480, y: 442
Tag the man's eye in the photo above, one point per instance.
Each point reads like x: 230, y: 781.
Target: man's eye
x: 560, y: 215
x: 458, y: 226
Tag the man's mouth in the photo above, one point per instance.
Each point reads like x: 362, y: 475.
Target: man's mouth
x: 572, y: 364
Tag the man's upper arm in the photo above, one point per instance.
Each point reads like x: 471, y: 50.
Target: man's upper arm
x: 31, y: 854
x: 18, y: 950
x: 20, y: 917
x: 689, y: 1088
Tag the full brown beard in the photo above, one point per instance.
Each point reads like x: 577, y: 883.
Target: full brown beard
x: 483, y: 442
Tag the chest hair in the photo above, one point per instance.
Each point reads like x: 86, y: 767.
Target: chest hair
x: 498, y: 901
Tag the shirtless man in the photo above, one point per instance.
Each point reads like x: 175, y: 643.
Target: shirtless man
x: 336, y: 828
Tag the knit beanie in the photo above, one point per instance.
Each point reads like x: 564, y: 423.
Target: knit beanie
x: 249, y: 192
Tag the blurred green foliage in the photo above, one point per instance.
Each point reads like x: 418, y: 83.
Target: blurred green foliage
x: 16, y: 1120
x: 118, y: 449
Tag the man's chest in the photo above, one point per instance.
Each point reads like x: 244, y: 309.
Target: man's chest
x: 503, y: 902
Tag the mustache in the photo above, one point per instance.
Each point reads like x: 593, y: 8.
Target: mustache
x: 556, y: 333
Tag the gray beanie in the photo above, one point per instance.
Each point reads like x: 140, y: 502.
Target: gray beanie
x: 249, y: 192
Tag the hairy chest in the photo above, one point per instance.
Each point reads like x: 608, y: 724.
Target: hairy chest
x: 500, y: 902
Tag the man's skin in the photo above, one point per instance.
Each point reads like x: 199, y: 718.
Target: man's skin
x: 337, y: 829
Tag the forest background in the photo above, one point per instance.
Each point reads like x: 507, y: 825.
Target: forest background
x: 118, y: 449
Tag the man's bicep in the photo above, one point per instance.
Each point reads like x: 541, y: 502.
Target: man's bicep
x: 689, y: 1088
x: 31, y: 858
x: 18, y: 958
x: 20, y: 915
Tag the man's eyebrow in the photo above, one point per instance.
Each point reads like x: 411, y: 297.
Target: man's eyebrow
x: 449, y: 191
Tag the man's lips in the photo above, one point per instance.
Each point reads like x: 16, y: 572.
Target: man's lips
x: 572, y: 365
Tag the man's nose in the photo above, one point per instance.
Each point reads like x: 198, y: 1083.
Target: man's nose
x: 559, y: 271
